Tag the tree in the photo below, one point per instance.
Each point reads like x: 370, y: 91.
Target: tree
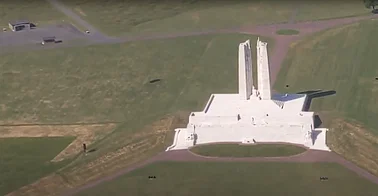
x: 370, y: 3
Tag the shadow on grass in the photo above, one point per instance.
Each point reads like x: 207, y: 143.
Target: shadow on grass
x: 154, y: 80
x: 92, y: 150
x: 312, y: 94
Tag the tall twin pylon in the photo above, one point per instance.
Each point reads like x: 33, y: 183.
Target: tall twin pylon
x: 247, y: 89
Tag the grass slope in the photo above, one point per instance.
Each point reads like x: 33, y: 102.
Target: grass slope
x: 237, y: 179
x: 124, y: 17
x: 344, y: 60
x: 25, y: 160
x: 191, y: 68
x: 237, y: 150
x: 336, y: 60
x: 36, y: 11
x: 322, y: 9
x: 111, y: 82
x: 120, y: 17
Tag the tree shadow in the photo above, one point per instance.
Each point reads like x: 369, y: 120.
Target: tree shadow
x: 92, y: 150
x: 316, y: 94
x: 154, y: 81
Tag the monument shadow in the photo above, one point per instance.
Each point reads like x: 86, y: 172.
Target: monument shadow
x: 312, y: 94
x: 314, y: 135
x: 315, y: 94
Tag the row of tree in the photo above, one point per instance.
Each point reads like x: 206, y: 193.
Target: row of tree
x: 371, y: 3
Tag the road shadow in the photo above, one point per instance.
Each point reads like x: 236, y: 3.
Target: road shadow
x: 315, y: 94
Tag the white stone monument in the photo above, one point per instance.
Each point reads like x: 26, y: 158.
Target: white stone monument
x: 252, y: 115
x: 246, y: 87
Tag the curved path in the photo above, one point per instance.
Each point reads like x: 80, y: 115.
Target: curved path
x: 310, y: 156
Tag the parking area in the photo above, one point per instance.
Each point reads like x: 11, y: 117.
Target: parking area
x: 63, y: 32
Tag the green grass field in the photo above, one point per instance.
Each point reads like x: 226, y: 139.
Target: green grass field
x: 188, y: 76
x: 237, y: 150
x: 111, y: 83
x: 220, y: 179
x: 320, y: 10
x: 25, y: 160
x: 36, y: 11
x: 343, y: 60
x: 350, y: 70
x: 133, y: 17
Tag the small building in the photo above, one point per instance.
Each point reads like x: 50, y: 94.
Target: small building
x: 20, y: 25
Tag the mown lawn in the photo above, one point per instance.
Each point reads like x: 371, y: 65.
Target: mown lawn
x: 337, y: 60
x: 25, y: 160
x: 344, y: 60
x: 237, y: 150
x: 111, y: 83
x: 133, y: 17
x: 320, y: 10
x: 268, y: 179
